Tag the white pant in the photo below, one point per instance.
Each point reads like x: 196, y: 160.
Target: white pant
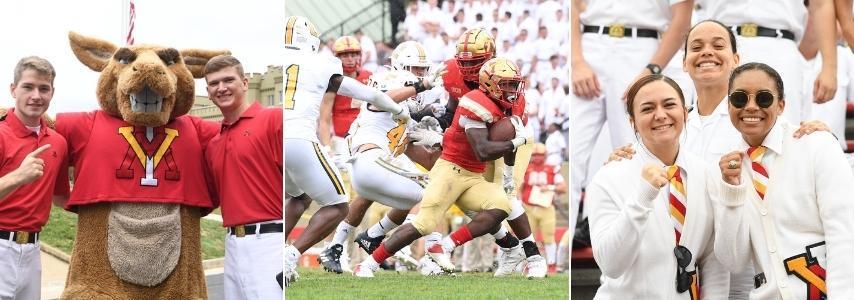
x: 616, y: 62
x: 20, y: 270
x: 309, y: 170
x: 252, y: 263
x: 378, y: 181
x: 784, y: 57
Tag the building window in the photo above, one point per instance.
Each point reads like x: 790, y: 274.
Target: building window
x: 270, y: 100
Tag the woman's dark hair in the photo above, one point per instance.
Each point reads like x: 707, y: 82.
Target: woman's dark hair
x: 728, y: 30
x: 633, y: 90
x: 778, y: 80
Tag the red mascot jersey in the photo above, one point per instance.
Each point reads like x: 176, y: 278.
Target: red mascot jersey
x: 457, y: 88
x: 475, y: 106
x: 115, y: 161
x: 537, y: 175
x: 342, y: 113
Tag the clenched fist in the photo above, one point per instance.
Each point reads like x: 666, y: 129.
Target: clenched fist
x: 730, y: 165
x: 655, y: 175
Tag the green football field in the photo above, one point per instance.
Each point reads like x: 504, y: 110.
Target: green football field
x: 318, y: 284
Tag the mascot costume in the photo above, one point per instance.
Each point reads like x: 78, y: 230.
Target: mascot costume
x: 140, y: 186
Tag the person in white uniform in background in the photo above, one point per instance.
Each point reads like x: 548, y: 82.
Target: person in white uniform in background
x: 832, y: 112
x: 650, y: 217
x: 768, y: 31
x: 784, y: 203
x: 614, y: 42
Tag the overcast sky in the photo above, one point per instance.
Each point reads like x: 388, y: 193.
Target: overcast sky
x: 251, y: 29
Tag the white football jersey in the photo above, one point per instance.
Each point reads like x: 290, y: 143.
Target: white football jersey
x: 306, y: 80
x: 374, y: 126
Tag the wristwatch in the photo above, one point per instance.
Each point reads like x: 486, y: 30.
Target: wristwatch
x: 655, y: 69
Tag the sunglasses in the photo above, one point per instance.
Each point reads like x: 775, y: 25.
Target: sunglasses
x: 763, y: 99
x: 683, y: 278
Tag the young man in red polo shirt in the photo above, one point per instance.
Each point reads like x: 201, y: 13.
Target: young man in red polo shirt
x: 32, y: 169
x: 245, y: 163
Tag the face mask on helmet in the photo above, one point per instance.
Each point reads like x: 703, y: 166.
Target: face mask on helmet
x: 474, y: 48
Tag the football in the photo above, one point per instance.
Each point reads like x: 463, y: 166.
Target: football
x: 502, y: 130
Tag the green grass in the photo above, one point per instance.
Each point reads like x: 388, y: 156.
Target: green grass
x: 62, y: 227
x: 318, y: 284
x: 60, y: 230
x: 213, y: 239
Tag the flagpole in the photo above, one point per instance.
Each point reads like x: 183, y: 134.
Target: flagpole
x: 124, y: 21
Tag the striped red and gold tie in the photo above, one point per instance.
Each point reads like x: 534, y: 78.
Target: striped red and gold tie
x: 678, y: 200
x: 758, y: 172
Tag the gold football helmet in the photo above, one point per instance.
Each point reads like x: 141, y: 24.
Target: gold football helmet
x: 300, y: 34
x: 474, y: 47
x: 348, y: 44
x: 501, y: 80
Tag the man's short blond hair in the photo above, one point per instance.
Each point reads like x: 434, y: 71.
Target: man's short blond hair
x: 220, y: 62
x: 38, y: 64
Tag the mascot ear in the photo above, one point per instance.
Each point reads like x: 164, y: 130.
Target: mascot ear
x: 195, y: 59
x: 92, y: 52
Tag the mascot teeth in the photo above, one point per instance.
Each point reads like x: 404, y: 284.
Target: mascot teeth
x: 146, y: 101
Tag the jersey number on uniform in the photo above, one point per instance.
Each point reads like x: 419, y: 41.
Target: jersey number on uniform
x: 291, y: 85
x: 538, y: 178
x: 396, y: 139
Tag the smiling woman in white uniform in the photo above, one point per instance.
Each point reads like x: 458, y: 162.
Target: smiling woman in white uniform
x: 784, y: 202
x: 650, y: 218
x: 768, y: 31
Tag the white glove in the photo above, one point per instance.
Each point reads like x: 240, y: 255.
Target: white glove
x: 508, y: 180
x: 434, y: 76
x: 425, y: 137
x: 438, y: 109
x: 429, y: 123
x: 521, y: 133
x: 402, y: 116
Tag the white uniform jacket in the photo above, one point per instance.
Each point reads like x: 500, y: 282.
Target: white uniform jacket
x: 633, y: 236
x: 805, y: 225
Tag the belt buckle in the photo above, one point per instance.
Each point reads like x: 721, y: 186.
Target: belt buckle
x: 616, y: 30
x: 240, y: 230
x: 749, y: 30
x: 21, y: 237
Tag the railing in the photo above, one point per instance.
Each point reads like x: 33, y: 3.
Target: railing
x: 361, y: 20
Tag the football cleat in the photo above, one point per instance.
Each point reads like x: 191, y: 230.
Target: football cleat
x: 365, y: 269
x: 367, y: 243
x: 330, y: 258
x: 290, y: 274
x: 536, y: 267
x: 428, y: 267
x: 404, y: 256
x: 440, y: 257
x: 508, y: 260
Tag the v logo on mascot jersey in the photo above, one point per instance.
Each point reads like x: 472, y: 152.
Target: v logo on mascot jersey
x: 154, y: 149
x: 806, y: 267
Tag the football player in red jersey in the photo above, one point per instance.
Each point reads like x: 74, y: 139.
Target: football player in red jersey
x: 344, y: 109
x: 474, y: 47
x: 457, y: 177
x: 542, y: 182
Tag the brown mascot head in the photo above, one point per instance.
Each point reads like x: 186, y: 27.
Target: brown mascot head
x: 146, y: 85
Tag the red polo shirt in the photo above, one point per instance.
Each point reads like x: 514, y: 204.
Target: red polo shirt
x: 28, y: 207
x: 245, y: 160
